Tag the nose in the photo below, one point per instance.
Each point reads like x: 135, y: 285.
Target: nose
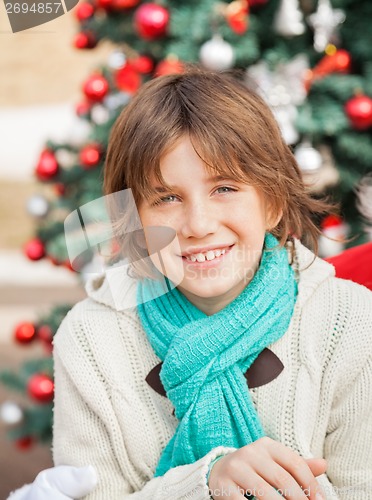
x: 198, y: 220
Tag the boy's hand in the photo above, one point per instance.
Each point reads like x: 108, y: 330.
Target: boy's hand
x: 262, y: 467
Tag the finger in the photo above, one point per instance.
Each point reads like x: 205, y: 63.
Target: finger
x: 261, y: 489
x: 74, y: 482
x: 318, y: 466
x: 284, y: 482
x: 298, y: 469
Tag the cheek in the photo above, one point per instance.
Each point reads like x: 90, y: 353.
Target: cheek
x: 151, y: 217
x: 168, y: 261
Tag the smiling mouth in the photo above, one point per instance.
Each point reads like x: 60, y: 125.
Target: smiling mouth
x: 207, y: 258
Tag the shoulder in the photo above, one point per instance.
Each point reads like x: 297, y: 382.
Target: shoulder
x: 353, y: 305
x: 339, y: 327
x: 93, y: 329
x: 320, y: 290
x: 335, y: 316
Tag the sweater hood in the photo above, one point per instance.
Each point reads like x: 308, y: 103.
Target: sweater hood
x: 116, y: 289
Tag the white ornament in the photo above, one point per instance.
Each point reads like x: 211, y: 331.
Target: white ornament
x: 329, y: 248
x: 11, y: 413
x: 289, y: 19
x: 116, y: 59
x: 37, y: 206
x: 283, y: 90
x: 217, y: 54
x: 324, y: 22
x: 286, y: 116
x: 65, y: 158
x: 307, y: 157
x: 117, y: 100
x: 99, y: 114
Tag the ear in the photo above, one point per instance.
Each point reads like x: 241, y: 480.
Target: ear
x: 273, y: 218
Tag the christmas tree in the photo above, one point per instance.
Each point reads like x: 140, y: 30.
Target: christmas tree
x: 312, y: 62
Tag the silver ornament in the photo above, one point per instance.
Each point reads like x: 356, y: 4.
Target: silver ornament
x: 11, y: 413
x: 217, y: 54
x: 286, y: 116
x: 116, y: 59
x: 283, y: 90
x: 324, y: 22
x: 65, y: 158
x: 99, y: 114
x: 289, y: 19
x: 37, y: 206
x: 117, y: 100
x: 307, y: 157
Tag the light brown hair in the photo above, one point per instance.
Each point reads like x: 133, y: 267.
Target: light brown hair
x: 232, y: 130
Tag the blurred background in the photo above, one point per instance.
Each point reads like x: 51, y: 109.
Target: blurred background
x: 40, y: 78
x: 63, y: 84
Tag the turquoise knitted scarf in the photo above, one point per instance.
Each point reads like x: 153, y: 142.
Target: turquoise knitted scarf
x: 205, y: 357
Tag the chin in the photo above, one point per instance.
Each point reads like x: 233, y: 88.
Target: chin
x: 209, y: 290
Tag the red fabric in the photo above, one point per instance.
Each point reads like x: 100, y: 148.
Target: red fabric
x: 355, y: 264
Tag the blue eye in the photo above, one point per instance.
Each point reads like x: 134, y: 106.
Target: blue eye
x: 164, y: 199
x: 226, y: 187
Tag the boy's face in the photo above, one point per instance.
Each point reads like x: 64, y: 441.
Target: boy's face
x: 207, y: 214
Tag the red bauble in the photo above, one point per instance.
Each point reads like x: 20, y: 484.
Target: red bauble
x: 124, y: 4
x: 82, y: 109
x: 104, y: 4
x: 47, y: 167
x: 331, y: 221
x: 151, y: 21
x: 237, y: 16
x: 44, y: 333
x: 143, y: 64
x: 257, y: 3
x: 169, y: 67
x: 34, y: 249
x: 40, y: 387
x: 25, y: 333
x: 60, y: 189
x: 90, y: 155
x: 359, y: 111
x: 95, y: 88
x: 84, y: 40
x: 24, y: 443
x: 127, y: 79
x: 84, y: 11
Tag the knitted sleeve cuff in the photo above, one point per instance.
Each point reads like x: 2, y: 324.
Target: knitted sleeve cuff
x: 211, y: 465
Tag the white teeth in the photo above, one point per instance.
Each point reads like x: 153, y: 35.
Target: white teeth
x: 200, y: 257
x: 210, y: 255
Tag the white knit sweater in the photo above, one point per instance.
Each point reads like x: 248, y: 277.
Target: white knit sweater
x: 320, y: 405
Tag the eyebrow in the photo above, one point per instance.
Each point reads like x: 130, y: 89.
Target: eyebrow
x: 162, y: 189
